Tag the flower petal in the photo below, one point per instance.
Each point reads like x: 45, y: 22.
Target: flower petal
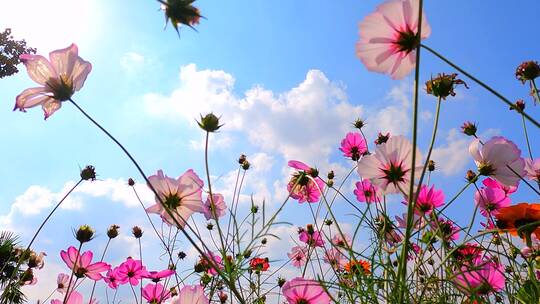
x: 50, y: 106
x: 30, y: 98
x: 38, y: 68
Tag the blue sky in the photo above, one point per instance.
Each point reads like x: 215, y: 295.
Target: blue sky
x: 296, y: 61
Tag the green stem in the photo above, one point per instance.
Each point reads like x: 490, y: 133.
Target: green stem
x: 75, y: 264
x: 485, y: 86
x: 526, y: 136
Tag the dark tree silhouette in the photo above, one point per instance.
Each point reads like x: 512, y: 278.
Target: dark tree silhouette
x: 10, y: 50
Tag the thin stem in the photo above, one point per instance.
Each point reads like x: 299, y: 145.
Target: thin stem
x: 75, y: 264
x: 535, y: 89
x: 101, y: 260
x: 485, y: 86
x: 526, y: 136
x: 402, y: 269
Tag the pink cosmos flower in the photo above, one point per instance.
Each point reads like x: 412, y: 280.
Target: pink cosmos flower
x: 429, y: 199
x: 113, y: 278
x: 157, y: 276
x: 310, y: 236
x: 190, y: 295
x: 335, y: 258
x: 305, y: 185
x: 214, y: 258
x: 219, y: 207
x: 342, y: 241
x: 181, y: 196
x: 81, y: 264
x: 490, y: 200
x: 389, y: 168
x: 366, y: 192
x: 298, y: 256
x: 481, y: 278
x: 418, y: 221
x: 389, y: 37
x: 304, y: 291
x: 498, y: 158
x: 491, y: 183
x: 60, y: 77
x: 532, y: 169
x: 353, y: 146
x: 131, y: 271
x: 62, y: 282
x: 155, y: 293
x: 446, y: 229
x: 74, y: 298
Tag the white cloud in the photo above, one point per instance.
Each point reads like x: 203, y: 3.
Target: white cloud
x: 131, y: 61
x: 451, y: 157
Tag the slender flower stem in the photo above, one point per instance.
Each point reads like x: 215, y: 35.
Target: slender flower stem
x: 485, y: 86
x: 75, y: 264
x: 101, y: 260
x: 169, y: 212
x: 402, y: 269
x: 526, y: 136
x: 536, y: 93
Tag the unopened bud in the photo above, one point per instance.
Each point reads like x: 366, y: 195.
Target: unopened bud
x: 112, y: 232
x: 209, y: 123
x: 137, y: 232
x: 84, y: 234
x: 431, y: 166
x: 131, y: 182
x: 88, y: 173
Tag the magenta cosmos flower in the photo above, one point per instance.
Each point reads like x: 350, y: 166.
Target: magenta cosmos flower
x: 310, y: 236
x: 305, y: 184
x: 181, y: 196
x: 490, y: 200
x: 216, y: 259
x: 81, y: 264
x: 353, y: 146
x: 60, y: 77
x: 304, y: 291
x: 157, y: 276
x: 74, y: 298
x: 131, y: 271
x: 532, y: 169
x: 190, y: 295
x: 429, y: 199
x: 389, y: 37
x: 216, y: 208
x: 366, y: 192
x: 62, y: 282
x: 491, y: 183
x: 498, y: 158
x: 445, y: 229
x: 335, y: 258
x: 342, y: 241
x: 298, y: 256
x: 481, y: 278
x: 113, y: 278
x: 155, y: 293
x: 389, y: 168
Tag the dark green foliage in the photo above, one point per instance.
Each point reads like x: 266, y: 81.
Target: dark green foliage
x: 10, y: 50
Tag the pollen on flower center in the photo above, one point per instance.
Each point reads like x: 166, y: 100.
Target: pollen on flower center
x: 302, y: 301
x: 173, y: 201
x: 406, y: 40
x: 62, y: 87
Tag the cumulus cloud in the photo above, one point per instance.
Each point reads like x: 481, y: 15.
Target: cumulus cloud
x: 131, y: 61
x: 451, y: 157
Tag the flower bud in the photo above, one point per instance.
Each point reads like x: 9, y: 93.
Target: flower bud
x: 84, y: 234
x: 359, y: 124
x: 528, y: 70
x: 88, y: 173
x: 469, y: 128
x: 112, y: 232
x: 182, y: 255
x: 443, y: 85
x: 137, y: 232
x: 246, y: 165
x: 264, y: 241
x: 131, y: 182
x: 242, y: 159
x: 431, y: 166
x: 330, y: 174
x: 209, y: 123
x: 222, y: 297
x: 254, y: 209
x: 313, y: 172
x: 281, y: 282
x: 518, y: 106
x: 328, y: 222
x: 209, y: 226
x: 382, y: 138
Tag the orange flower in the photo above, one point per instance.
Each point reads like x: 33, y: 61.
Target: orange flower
x: 355, y: 266
x: 511, y: 218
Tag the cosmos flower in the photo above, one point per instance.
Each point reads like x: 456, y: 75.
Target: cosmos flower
x: 157, y: 276
x: 358, y: 266
x: 112, y: 278
x: 305, y: 291
x: 216, y: 208
x: 490, y: 200
x: 190, y: 295
x: 335, y: 258
x: 298, y: 256
x: 353, y: 146
x: 155, y: 293
x: 181, y: 196
x: 62, y: 282
x: 342, y: 241
x: 429, y: 199
x: 389, y: 37
x: 492, y: 183
x: 310, y: 236
x: 81, y: 264
x: 532, y: 169
x: 498, y: 158
x: 482, y: 277
x: 305, y: 185
x: 131, y: 271
x: 60, y: 77
x: 366, y: 192
x: 74, y: 298
x: 389, y: 167
x: 216, y: 259
x: 259, y: 264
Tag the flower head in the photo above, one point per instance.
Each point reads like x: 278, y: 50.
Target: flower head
x: 214, y: 207
x: 389, y: 168
x: 181, y: 196
x: 335, y: 258
x: 445, y: 229
x: 480, y: 278
x: 155, y: 293
x: 305, y: 185
x: 429, y: 199
x: 62, y: 282
x: 492, y: 183
x: 389, y: 38
x: 304, y: 291
x: 207, y: 267
x: 366, y: 192
x: 60, y: 77
x: 358, y: 267
x: 157, y: 276
x: 443, y: 85
x: 81, y: 264
x: 180, y: 12
x: 310, y: 236
x: 73, y: 298
x: 190, y: 295
x: 353, y: 146
x: 528, y: 70
x: 512, y: 218
x: 490, y: 200
x: 468, y: 128
x: 298, y: 256
x: 259, y: 264
x: 344, y: 241
x: 499, y: 158
x: 113, y: 278
x: 131, y: 271
x: 532, y: 169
